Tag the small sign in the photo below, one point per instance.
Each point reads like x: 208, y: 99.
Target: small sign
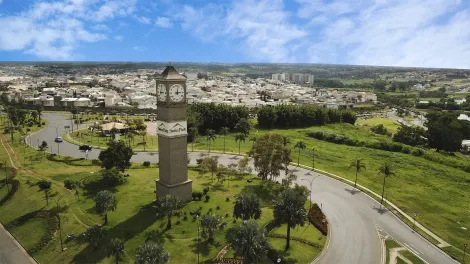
x: 172, y: 129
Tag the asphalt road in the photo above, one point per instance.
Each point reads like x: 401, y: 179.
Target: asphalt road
x: 353, y: 217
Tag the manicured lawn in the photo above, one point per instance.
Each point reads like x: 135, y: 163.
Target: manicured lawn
x: 390, y: 124
x: 3, y: 188
x: 306, y: 252
x: 307, y: 232
x: 411, y: 257
x: 30, y: 232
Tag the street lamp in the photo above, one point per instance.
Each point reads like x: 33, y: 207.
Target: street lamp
x: 311, y: 187
x: 464, y: 251
x: 58, y: 216
x: 414, y: 220
x: 313, y: 159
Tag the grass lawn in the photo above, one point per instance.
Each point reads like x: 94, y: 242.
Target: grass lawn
x: 306, y: 252
x: 411, y: 257
x: 307, y: 232
x: 30, y: 232
x: 389, y: 244
x: 128, y: 222
x: 390, y: 124
x: 3, y: 187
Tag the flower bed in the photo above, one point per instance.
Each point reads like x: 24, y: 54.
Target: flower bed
x: 318, y: 219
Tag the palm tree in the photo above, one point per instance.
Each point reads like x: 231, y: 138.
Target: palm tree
x: 94, y: 234
x: 143, y: 133
x: 167, y: 205
x: 247, y: 206
x: 224, y: 131
x: 151, y: 252
x: 116, y: 249
x: 105, y: 201
x: 209, y: 224
x: 194, y: 132
x: 301, y: 146
x: 387, y: 170
x: 39, y: 110
x: 289, y: 209
x: 239, y: 138
x: 359, y: 165
x: 249, y: 242
x: 210, y: 136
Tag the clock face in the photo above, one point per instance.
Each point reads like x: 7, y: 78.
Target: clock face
x: 176, y: 93
x: 161, y: 92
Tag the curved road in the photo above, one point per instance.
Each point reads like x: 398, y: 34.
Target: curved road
x: 355, y: 218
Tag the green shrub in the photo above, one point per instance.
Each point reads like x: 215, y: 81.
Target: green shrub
x: 146, y: 163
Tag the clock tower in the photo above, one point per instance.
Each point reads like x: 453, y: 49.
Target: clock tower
x: 172, y: 135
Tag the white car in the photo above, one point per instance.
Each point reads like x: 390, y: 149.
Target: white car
x: 58, y: 139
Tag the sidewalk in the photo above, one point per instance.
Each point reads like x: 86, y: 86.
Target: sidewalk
x: 11, y: 252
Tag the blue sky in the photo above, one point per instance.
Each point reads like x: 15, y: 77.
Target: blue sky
x: 422, y: 33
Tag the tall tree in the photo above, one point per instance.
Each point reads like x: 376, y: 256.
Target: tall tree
x: 46, y: 187
x: 387, y: 171
x: 270, y: 156
x: 116, y: 249
x: 247, y: 206
x: 105, y: 201
x: 193, y: 133
x: 445, y: 131
x: 116, y: 155
x: 224, y: 131
x: 143, y: 133
x: 210, y: 137
x: 301, y: 146
x: 94, y: 234
x: 39, y: 109
x: 210, y: 164
x: 285, y: 141
x: 239, y: 138
x: 167, y: 205
x: 358, y: 165
x: 289, y: 209
x: 243, y: 126
x: 249, y: 242
x: 209, y: 224
x: 151, y: 253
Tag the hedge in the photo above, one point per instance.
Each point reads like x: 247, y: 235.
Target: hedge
x: 387, y: 146
x: 14, y: 187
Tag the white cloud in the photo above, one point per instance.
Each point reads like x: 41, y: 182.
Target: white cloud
x: 262, y: 27
x: 119, y: 38
x: 425, y: 33
x: 53, y: 30
x: 163, y: 22
x: 143, y: 19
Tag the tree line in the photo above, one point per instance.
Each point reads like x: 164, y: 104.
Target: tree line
x: 290, y: 116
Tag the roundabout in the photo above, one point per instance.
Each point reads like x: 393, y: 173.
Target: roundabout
x: 355, y: 219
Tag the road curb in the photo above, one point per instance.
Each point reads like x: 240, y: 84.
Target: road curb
x: 325, y: 248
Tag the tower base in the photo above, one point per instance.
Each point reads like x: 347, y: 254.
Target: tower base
x: 181, y: 190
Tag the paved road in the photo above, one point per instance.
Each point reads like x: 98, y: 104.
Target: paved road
x: 10, y: 251
x: 353, y: 217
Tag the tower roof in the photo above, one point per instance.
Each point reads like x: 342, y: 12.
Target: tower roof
x: 170, y: 73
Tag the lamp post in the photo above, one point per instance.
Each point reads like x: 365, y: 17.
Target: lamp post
x: 464, y: 251
x: 311, y: 187
x: 414, y: 220
x: 313, y: 159
x: 58, y: 216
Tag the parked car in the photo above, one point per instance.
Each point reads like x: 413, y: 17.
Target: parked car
x: 85, y: 147
x: 58, y: 139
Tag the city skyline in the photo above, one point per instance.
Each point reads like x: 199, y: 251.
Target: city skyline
x: 427, y: 33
